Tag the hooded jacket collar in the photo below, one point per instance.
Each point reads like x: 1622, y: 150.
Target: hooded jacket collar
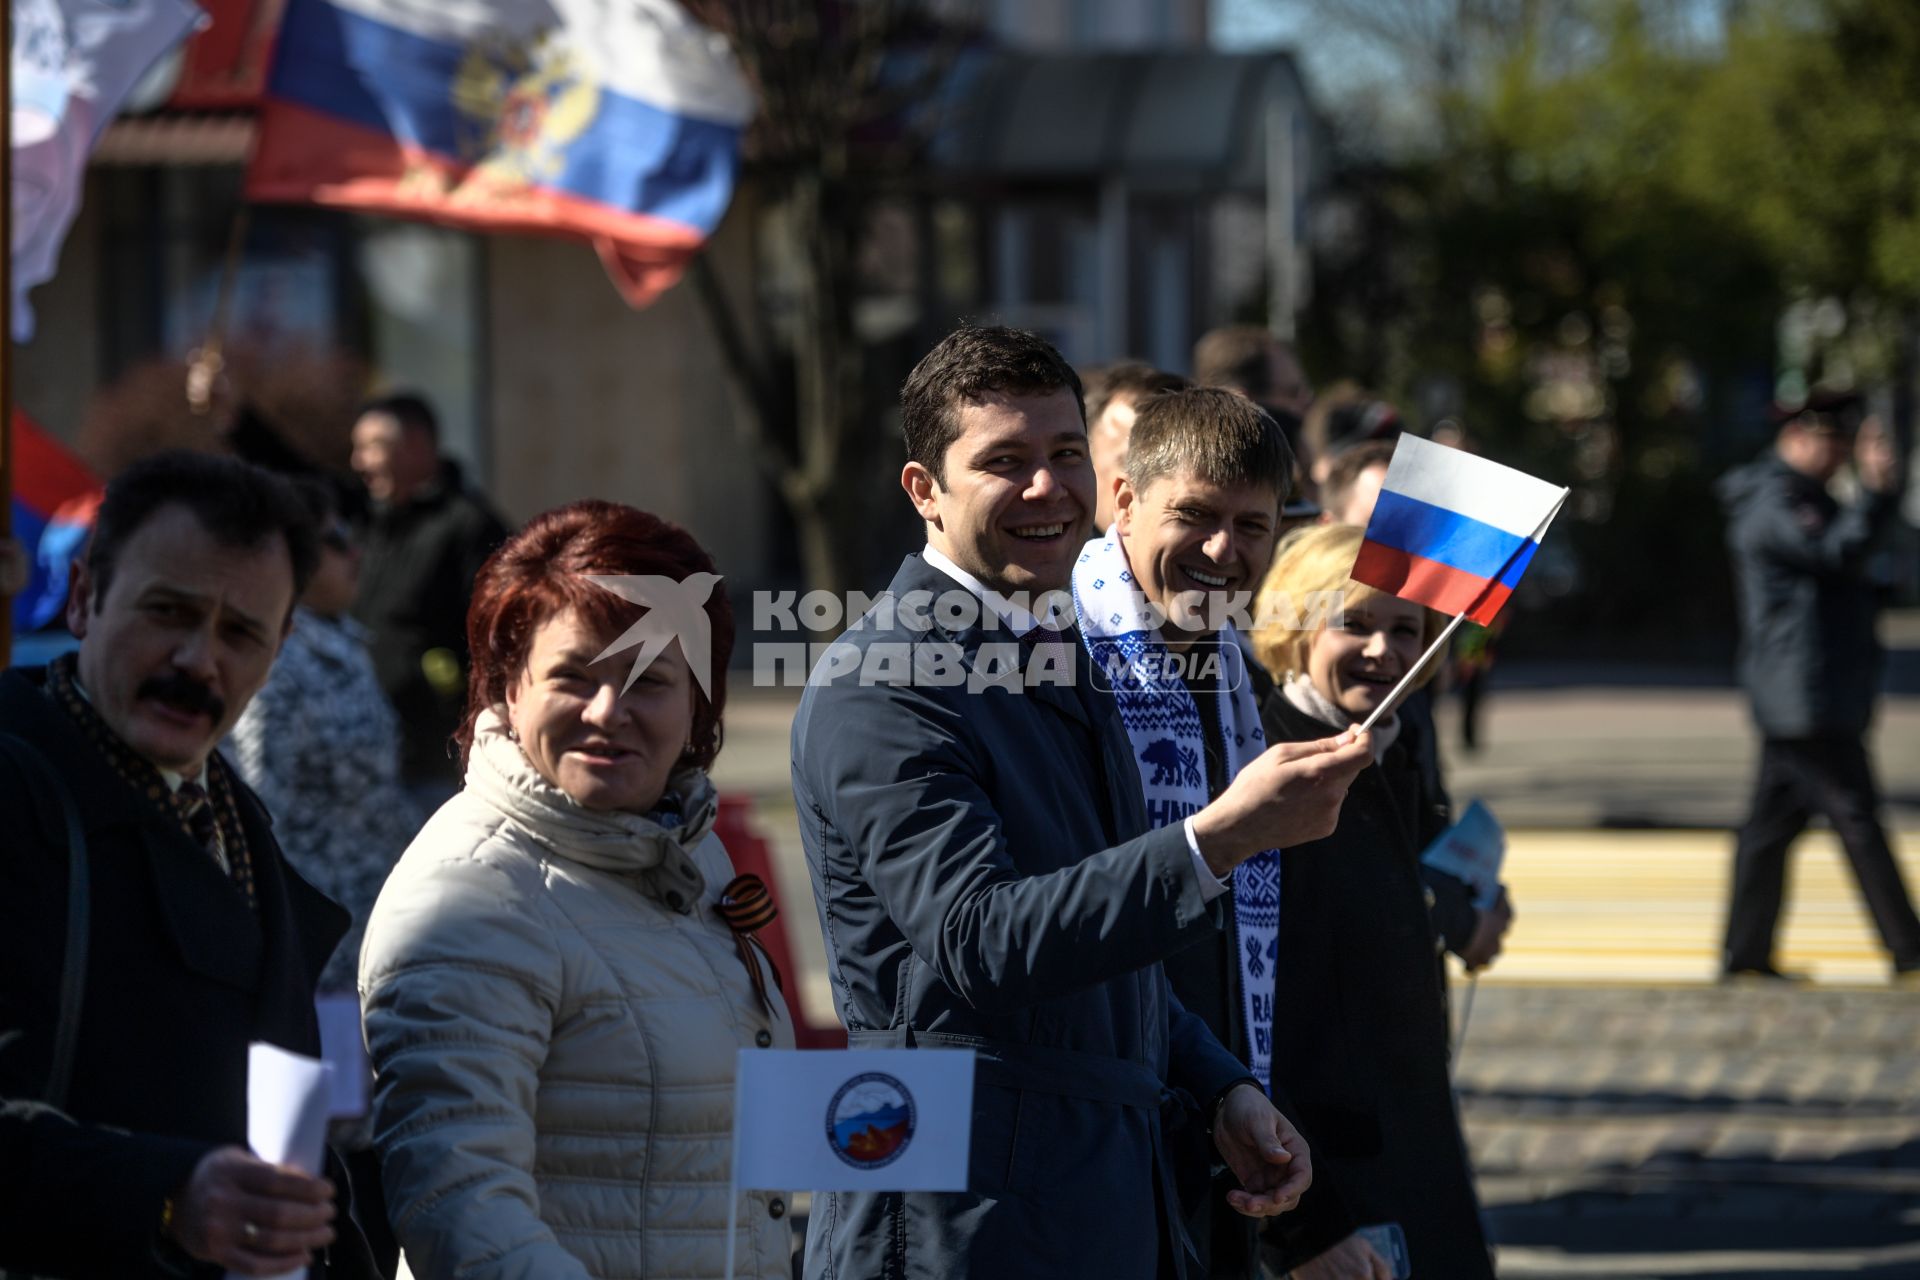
x: 657, y: 858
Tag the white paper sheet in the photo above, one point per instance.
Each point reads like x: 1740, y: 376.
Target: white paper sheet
x: 287, y: 1102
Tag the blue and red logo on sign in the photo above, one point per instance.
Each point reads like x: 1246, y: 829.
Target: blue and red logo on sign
x: 871, y: 1121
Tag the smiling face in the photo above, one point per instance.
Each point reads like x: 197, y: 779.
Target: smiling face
x: 393, y: 461
x: 1356, y: 666
x: 182, y: 638
x: 1015, y: 504
x: 605, y: 749
x: 1187, y: 539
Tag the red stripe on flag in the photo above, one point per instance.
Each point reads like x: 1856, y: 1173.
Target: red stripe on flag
x: 45, y: 474
x: 1438, y: 586
x: 307, y: 157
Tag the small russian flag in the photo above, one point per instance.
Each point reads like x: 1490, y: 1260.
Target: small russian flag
x: 1453, y: 531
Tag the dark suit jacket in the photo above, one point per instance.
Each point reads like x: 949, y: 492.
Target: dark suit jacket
x: 181, y: 977
x: 983, y: 880
x: 416, y: 581
x: 1809, y: 655
x: 1361, y: 1046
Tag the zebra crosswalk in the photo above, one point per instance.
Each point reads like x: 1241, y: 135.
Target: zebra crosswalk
x: 1649, y: 906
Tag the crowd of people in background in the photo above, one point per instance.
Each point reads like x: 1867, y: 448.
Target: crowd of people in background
x: 1181, y: 918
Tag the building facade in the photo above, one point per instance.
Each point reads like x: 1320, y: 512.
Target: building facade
x: 1105, y: 182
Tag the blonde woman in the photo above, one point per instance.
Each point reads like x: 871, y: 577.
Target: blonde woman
x: 1363, y: 1054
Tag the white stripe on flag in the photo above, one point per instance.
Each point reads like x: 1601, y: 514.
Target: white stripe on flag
x: 74, y: 63
x: 1458, y: 481
x: 654, y: 52
x: 458, y: 22
x: 649, y: 50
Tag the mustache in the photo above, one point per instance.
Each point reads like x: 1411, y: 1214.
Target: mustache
x: 183, y: 693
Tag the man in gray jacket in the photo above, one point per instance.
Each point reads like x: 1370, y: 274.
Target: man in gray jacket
x: 1811, y: 664
x: 986, y: 878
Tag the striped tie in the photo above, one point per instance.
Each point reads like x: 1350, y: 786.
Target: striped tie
x: 198, y: 809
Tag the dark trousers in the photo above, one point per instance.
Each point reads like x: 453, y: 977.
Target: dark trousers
x: 1798, y: 778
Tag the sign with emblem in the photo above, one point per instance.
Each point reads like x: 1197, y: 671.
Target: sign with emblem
x: 853, y: 1119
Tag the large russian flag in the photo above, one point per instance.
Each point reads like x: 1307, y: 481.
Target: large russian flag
x: 616, y: 123
x: 1454, y: 531
x: 54, y: 499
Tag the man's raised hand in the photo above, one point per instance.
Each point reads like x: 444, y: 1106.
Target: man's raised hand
x: 1289, y: 795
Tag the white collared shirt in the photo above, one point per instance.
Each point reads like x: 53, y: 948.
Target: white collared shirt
x: 1019, y: 622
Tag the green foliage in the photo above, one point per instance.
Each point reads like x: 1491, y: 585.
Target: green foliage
x: 1595, y: 252
x: 1808, y: 133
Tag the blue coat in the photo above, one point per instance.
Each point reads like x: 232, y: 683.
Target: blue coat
x: 985, y: 879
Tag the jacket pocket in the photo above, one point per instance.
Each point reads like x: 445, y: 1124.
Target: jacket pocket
x: 997, y: 1131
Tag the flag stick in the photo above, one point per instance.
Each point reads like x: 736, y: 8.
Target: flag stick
x: 1406, y: 681
x: 7, y: 476
x: 210, y: 355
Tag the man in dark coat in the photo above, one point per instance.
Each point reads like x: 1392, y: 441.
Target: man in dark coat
x: 427, y: 536
x: 1810, y: 662
x: 123, y: 1096
x: 979, y: 851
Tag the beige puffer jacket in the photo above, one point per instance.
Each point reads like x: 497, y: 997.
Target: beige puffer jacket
x: 553, y: 1008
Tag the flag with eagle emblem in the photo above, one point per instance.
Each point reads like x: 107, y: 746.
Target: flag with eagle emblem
x: 615, y: 123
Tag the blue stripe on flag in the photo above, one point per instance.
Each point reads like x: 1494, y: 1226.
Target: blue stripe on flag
x: 1435, y: 533
x: 315, y: 75
x: 1510, y: 577
x: 632, y: 155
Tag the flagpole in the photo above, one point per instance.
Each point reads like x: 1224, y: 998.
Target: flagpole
x: 1406, y: 681
x: 6, y: 340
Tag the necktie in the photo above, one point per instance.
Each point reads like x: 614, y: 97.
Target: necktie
x: 198, y: 808
x: 1051, y: 652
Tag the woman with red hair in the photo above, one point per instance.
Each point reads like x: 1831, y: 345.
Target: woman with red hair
x: 558, y: 977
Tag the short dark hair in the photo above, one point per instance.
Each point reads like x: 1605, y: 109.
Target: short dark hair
x: 968, y: 364
x: 409, y: 408
x: 1344, y: 469
x: 1216, y: 434
x: 1823, y: 410
x: 1129, y: 379
x: 1348, y: 418
x: 242, y: 506
x: 1236, y: 356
